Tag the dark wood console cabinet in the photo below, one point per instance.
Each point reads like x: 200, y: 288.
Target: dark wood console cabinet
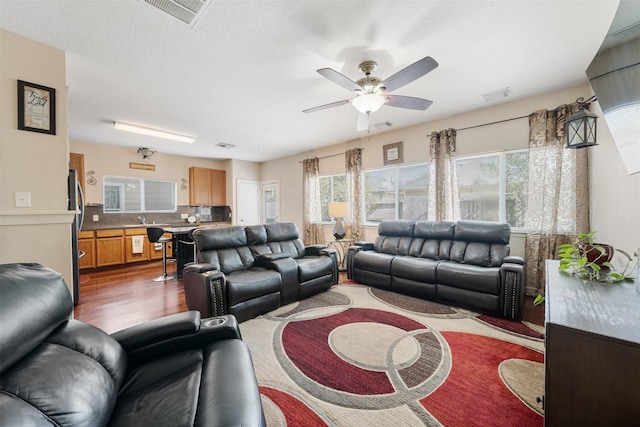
x: 592, y: 352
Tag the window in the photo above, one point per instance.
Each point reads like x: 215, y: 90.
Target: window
x: 394, y: 193
x: 122, y: 194
x: 494, y: 187
x: 332, y: 189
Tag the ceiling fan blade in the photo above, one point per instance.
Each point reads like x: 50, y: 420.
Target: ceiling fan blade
x: 409, y: 102
x: 363, y: 122
x: 339, y: 79
x: 325, y: 106
x: 410, y: 73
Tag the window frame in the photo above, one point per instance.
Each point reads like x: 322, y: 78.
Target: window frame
x: 142, y: 185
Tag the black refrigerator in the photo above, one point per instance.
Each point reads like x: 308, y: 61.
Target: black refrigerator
x: 76, y: 203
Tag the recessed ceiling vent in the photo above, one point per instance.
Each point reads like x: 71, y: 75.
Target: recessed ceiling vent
x: 188, y: 11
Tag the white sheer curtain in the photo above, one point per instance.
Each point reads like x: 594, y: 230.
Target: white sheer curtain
x: 353, y: 168
x: 444, y: 199
x: 312, y: 213
x: 558, y: 193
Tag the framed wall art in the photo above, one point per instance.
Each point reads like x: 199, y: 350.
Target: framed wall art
x: 36, y: 108
x: 392, y: 153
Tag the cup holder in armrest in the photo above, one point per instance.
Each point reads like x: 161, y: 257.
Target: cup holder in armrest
x: 212, y: 322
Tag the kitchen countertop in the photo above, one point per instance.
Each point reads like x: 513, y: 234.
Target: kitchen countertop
x: 186, y: 225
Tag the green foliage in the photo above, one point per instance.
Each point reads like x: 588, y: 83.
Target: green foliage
x: 574, y: 259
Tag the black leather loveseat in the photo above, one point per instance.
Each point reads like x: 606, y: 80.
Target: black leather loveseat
x: 465, y: 263
x: 178, y: 370
x: 248, y: 271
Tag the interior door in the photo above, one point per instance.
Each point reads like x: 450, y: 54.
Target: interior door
x: 270, y: 202
x: 247, y: 202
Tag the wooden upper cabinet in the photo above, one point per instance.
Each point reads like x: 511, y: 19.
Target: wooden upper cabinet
x: 207, y: 187
x: 76, y: 161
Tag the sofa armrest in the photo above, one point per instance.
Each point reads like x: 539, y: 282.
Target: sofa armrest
x: 273, y: 257
x: 205, y: 290
x: 514, y: 260
x: 366, y: 246
x: 170, y: 334
x: 513, y: 283
x: 314, y: 249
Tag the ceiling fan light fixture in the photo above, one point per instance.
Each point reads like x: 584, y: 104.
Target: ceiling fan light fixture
x: 369, y: 102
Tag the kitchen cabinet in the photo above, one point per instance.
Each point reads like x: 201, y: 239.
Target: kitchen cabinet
x: 87, y: 244
x: 110, y: 247
x: 207, y: 187
x: 76, y: 162
x: 130, y: 233
x: 592, y: 350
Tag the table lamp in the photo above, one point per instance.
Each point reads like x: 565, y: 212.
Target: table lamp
x: 338, y: 210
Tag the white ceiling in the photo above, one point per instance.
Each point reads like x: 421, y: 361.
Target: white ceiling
x: 246, y: 71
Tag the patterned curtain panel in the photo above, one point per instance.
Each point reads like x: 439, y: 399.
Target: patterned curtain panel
x: 444, y: 199
x: 353, y: 168
x: 558, y: 194
x: 312, y: 214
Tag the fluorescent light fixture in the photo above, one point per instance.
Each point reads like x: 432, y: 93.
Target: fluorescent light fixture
x: 153, y: 132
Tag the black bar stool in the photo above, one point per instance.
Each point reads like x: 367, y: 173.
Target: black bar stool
x: 155, y: 236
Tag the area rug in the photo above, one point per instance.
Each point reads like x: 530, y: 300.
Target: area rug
x: 360, y: 356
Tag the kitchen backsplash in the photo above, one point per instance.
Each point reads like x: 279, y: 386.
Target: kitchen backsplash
x: 218, y: 214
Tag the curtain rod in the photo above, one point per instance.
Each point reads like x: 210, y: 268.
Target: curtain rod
x: 493, y: 123
x: 331, y: 155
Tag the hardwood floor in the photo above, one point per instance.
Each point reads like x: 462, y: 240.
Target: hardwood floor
x: 116, y: 298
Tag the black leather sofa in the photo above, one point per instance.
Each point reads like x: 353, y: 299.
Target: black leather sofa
x: 465, y: 263
x: 178, y: 370
x: 248, y: 271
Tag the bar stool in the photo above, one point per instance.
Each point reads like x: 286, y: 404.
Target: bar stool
x: 155, y: 236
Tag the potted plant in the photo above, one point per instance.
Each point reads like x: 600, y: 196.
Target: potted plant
x: 592, y: 261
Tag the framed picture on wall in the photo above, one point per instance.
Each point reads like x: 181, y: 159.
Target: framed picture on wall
x: 392, y: 153
x: 36, y: 108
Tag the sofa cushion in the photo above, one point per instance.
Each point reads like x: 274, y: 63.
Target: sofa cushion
x: 471, y: 277
x: 418, y: 269
x: 312, y: 267
x: 249, y: 284
x: 373, y: 261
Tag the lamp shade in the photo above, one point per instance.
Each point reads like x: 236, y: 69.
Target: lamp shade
x: 369, y: 102
x: 338, y: 209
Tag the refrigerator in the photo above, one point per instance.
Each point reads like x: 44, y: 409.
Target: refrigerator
x: 76, y: 203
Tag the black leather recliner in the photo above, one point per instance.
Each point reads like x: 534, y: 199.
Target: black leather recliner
x: 248, y: 271
x: 178, y: 370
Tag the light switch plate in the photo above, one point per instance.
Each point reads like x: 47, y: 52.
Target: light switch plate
x: 23, y: 200
x: 184, y: 216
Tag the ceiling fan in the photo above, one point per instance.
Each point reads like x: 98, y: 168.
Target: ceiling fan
x: 371, y: 92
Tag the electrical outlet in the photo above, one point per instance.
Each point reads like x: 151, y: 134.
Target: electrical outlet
x: 184, y: 216
x: 23, y: 200
x: 96, y: 217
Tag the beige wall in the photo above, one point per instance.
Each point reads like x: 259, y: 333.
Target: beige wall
x: 615, y: 196
x: 114, y: 160
x: 33, y: 162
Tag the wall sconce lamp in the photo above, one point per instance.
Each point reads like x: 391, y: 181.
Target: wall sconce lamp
x: 338, y: 210
x: 92, y: 178
x: 581, y: 126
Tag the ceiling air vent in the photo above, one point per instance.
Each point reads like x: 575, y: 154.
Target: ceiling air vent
x: 188, y: 11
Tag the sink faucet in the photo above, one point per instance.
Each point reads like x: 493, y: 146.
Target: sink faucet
x: 142, y: 219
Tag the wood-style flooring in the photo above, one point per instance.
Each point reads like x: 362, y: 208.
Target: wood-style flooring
x: 116, y: 298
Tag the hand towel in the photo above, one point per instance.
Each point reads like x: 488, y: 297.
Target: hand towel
x: 137, y: 244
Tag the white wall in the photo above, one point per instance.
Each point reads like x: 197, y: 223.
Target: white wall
x: 33, y: 162
x: 615, y: 196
